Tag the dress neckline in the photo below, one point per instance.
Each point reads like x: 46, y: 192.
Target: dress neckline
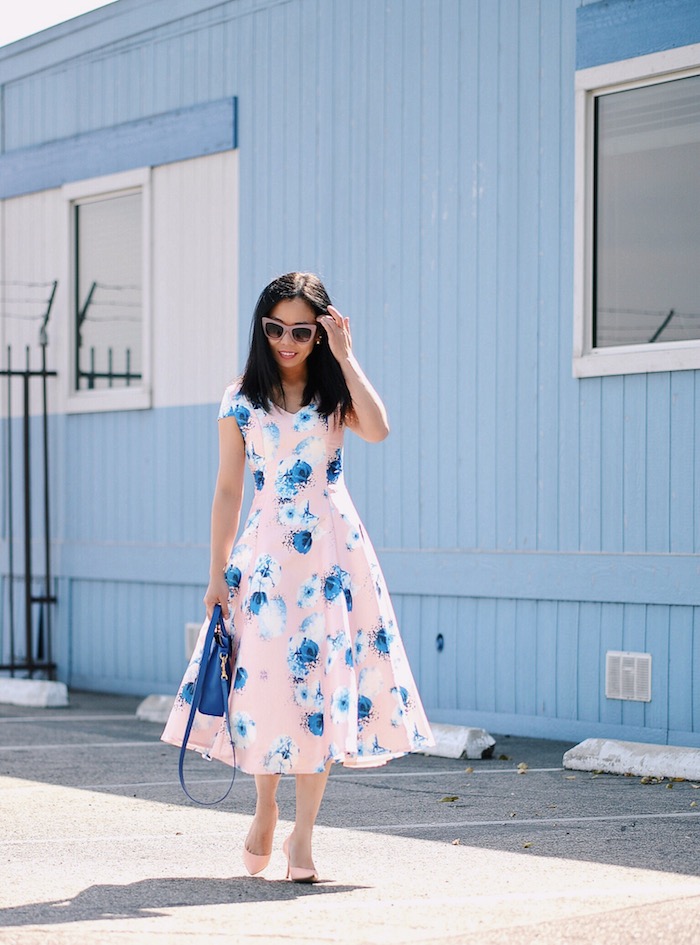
x: 293, y: 413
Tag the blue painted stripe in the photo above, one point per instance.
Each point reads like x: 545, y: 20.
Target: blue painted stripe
x: 160, y: 139
x: 617, y: 29
x: 524, y: 576
x: 622, y: 578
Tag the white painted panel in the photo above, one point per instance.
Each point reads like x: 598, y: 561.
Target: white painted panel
x: 32, y: 252
x: 195, y: 279
x: 194, y: 218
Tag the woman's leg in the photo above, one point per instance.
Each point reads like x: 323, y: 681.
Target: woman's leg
x: 259, y: 839
x: 309, y: 791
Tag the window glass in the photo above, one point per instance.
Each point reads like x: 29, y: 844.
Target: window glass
x: 647, y: 214
x: 108, y: 292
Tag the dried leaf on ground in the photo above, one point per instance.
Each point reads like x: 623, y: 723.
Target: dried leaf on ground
x: 469, y: 770
x: 457, y: 842
x: 528, y: 844
x: 522, y: 767
x: 448, y: 799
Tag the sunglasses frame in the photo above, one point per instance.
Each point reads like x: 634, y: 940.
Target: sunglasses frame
x: 289, y: 330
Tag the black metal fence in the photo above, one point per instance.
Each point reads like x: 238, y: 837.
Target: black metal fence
x: 28, y: 652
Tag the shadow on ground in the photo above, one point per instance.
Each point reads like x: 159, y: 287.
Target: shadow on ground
x: 150, y: 898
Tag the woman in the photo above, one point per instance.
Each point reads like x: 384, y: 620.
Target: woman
x: 321, y: 672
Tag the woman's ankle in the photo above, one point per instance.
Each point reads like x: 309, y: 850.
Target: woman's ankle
x: 267, y: 810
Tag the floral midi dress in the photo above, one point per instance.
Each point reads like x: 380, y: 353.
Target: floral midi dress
x: 321, y: 672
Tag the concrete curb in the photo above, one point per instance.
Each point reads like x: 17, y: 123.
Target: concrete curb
x: 35, y: 693
x: 638, y: 758
x: 155, y: 709
x: 458, y: 741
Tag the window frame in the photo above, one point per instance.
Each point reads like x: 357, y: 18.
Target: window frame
x: 590, y: 83
x: 117, y: 398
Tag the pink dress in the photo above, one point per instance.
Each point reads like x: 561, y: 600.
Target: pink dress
x: 321, y: 672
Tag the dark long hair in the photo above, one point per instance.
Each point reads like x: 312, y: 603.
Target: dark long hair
x: 261, y: 378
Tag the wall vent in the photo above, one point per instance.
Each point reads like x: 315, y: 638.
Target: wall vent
x: 191, y: 634
x: 628, y: 676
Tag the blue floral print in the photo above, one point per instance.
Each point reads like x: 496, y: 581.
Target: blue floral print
x: 364, y: 708
x: 338, y: 580
x: 258, y: 599
x: 233, y: 577
x: 281, y: 756
x: 243, y: 730
x: 340, y: 704
x: 361, y: 644
x: 321, y: 674
x: 334, y: 467
x: 381, y: 639
x: 272, y: 619
x: 187, y: 692
x: 309, y: 592
x: 302, y: 657
x: 271, y: 438
x: 309, y: 696
x: 302, y: 542
x: 292, y: 477
x: 334, y: 646
x: 242, y: 415
x: 305, y: 418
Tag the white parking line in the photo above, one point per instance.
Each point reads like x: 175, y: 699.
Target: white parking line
x: 377, y: 828
x: 69, y: 718
x: 515, y: 822
x: 80, y: 746
x: 430, y: 774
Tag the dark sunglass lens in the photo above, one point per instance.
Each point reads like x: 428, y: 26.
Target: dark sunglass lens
x: 272, y: 330
x: 302, y: 334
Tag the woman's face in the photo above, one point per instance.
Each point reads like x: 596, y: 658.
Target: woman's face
x: 292, y: 320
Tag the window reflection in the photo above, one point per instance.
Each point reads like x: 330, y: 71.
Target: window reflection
x: 647, y: 215
x: 108, y: 292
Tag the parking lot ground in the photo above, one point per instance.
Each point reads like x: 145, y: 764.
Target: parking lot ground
x: 99, y: 845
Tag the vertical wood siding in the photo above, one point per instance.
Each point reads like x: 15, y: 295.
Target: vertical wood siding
x: 424, y: 166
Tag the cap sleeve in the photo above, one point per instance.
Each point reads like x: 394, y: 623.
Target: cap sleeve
x: 229, y: 402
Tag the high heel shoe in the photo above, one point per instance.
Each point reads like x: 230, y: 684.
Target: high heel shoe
x: 255, y: 863
x: 298, y: 874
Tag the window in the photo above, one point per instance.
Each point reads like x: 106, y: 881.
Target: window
x: 638, y: 216
x: 109, y: 290
x: 108, y: 219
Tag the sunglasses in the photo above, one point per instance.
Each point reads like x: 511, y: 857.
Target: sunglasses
x: 302, y: 333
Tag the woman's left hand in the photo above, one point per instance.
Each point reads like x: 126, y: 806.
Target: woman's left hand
x: 337, y: 331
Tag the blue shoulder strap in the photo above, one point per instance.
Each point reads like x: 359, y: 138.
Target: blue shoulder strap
x: 223, y: 649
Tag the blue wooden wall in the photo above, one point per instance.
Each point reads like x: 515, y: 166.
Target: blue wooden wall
x: 420, y: 156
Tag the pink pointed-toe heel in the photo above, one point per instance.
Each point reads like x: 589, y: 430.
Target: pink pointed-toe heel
x: 298, y: 874
x: 255, y: 863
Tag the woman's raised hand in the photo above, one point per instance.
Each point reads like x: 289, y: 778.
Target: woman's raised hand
x: 338, y: 332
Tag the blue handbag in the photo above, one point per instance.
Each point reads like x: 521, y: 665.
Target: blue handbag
x: 211, y: 692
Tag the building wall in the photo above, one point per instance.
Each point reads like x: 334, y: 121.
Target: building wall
x: 424, y: 166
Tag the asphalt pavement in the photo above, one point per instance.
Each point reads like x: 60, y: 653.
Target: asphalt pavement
x: 99, y: 844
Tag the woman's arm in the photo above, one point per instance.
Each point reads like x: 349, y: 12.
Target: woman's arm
x: 225, y: 511
x: 368, y: 416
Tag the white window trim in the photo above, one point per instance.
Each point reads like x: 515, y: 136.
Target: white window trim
x: 136, y: 398
x: 616, y: 77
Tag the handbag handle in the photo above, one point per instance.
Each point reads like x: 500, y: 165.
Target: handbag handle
x: 223, y: 649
